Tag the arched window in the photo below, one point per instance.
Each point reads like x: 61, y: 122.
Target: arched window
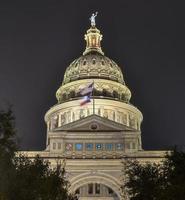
x: 72, y: 94
x: 94, y: 62
x: 64, y: 96
x: 104, y: 92
x: 115, y: 94
x: 123, y: 97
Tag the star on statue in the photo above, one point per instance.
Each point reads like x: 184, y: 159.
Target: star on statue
x: 92, y: 19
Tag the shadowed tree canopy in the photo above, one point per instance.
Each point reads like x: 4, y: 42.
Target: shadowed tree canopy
x: 25, y: 179
x: 163, y: 181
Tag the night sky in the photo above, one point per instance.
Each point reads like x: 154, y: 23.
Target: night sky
x: 39, y: 39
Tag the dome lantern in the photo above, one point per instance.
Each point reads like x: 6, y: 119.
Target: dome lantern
x: 93, y: 41
x: 93, y: 38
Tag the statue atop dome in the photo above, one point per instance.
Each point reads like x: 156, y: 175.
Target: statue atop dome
x: 92, y: 19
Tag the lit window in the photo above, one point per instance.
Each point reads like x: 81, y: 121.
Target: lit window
x: 78, y: 146
x: 98, y: 146
x: 89, y: 146
x: 109, y: 147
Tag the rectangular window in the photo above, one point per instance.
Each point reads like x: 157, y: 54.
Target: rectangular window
x: 54, y: 145
x: 109, y: 147
x: 128, y: 145
x: 79, y: 146
x: 89, y: 146
x: 98, y: 146
x: 69, y: 147
x: 59, y: 145
x: 119, y: 146
x: 90, y: 188
x: 97, y: 188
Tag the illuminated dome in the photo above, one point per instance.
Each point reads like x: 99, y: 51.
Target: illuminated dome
x: 108, y: 102
x: 93, y: 65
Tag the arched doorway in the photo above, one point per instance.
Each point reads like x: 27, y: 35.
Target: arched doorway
x: 95, y: 191
x: 96, y: 186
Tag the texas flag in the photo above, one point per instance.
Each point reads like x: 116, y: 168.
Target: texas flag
x: 86, y: 92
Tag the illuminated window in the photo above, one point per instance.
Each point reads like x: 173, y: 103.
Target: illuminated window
x: 89, y: 146
x: 79, y: 146
x: 98, y: 146
x: 109, y: 147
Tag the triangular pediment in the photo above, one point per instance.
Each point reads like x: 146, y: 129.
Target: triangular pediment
x: 94, y: 123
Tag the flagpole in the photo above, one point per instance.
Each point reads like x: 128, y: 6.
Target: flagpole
x: 93, y: 100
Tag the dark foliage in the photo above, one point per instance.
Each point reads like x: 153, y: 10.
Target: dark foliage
x: 22, y: 178
x: 8, y: 148
x: 150, y: 181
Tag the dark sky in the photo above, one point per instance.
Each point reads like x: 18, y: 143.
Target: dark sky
x: 39, y: 39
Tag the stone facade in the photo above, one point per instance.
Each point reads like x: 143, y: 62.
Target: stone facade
x: 95, y: 139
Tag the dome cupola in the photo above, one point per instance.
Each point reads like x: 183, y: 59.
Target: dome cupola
x: 94, y: 66
x: 93, y: 41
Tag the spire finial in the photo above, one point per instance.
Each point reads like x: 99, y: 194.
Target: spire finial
x: 92, y: 19
x: 93, y: 37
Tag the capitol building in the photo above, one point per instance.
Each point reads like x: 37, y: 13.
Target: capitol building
x: 96, y: 138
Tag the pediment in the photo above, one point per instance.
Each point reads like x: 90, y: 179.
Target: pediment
x: 93, y: 123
